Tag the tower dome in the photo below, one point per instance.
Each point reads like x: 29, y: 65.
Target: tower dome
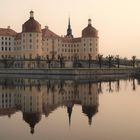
x: 89, y: 111
x: 32, y: 119
x: 89, y: 31
x: 31, y: 25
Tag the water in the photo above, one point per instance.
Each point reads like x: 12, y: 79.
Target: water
x: 34, y: 109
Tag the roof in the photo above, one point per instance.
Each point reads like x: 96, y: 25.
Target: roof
x: 71, y: 40
x: 18, y: 36
x: 7, y: 111
x: 31, y: 25
x: 89, y: 31
x: 7, y: 32
x: 46, y: 33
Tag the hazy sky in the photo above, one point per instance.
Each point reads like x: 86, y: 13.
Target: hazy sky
x: 118, y: 21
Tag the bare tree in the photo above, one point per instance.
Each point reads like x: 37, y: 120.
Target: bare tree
x: 61, y: 60
x: 38, y: 61
x: 133, y: 61
x: 100, y: 57
x: 110, y: 58
x: 89, y: 60
x: 48, y: 61
x: 118, y: 60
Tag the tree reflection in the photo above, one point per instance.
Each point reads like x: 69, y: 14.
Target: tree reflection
x: 134, y: 85
x: 34, y: 97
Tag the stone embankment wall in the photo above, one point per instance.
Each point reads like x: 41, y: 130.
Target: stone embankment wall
x: 70, y: 71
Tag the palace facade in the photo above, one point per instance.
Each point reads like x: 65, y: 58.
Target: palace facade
x: 35, y: 42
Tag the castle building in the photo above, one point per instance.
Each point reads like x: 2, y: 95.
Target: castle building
x: 34, y: 42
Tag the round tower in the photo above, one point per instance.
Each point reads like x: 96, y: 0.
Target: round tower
x: 90, y: 45
x: 31, y: 38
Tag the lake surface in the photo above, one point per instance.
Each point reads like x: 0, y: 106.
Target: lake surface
x: 44, y: 109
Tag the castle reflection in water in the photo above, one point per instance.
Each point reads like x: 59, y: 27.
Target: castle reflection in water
x: 35, y: 98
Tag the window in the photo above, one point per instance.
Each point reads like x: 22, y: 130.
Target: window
x: 84, y: 49
x: 9, y: 38
x: 30, y: 35
x: 2, y: 48
x: 30, y: 46
x: 91, y: 49
x: 30, y: 40
x: 9, y: 48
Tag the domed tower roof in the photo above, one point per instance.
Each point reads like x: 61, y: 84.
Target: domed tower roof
x: 90, y: 111
x: 32, y: 119
x: 31, y: 25
x: 89, y: 31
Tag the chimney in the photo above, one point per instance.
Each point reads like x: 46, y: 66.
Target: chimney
x: 8, y: 27
x: 46, y: 27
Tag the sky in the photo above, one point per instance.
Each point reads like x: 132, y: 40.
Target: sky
x: 118, y: 21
